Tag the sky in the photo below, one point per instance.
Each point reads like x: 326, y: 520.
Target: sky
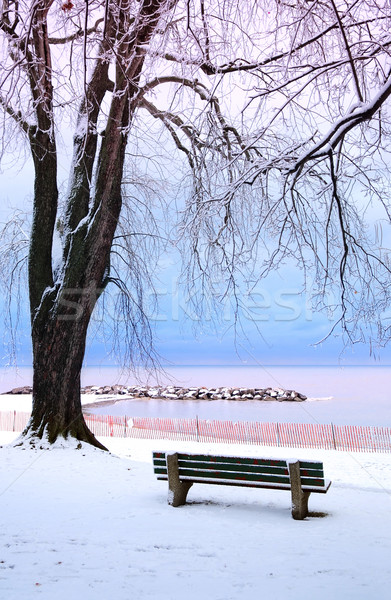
x: 279, y: 324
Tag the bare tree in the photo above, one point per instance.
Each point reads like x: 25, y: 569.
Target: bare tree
x: 100, y: 66
x: 312, y: 184
x: 148, y: 84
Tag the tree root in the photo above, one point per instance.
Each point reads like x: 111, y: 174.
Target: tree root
x: 52, y: 432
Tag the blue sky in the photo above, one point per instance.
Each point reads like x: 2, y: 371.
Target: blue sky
x: 278, y: 327
x: 278, y: 335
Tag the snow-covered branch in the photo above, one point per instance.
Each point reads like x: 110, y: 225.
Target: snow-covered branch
x: 359, y: 114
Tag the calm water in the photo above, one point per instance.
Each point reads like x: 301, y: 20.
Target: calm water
x: 342, y: 395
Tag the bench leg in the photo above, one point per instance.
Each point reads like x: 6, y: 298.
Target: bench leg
x: 177, y: 490
x: 299, y: 496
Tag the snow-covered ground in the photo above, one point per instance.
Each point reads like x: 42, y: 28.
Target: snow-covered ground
x: 85, y: 524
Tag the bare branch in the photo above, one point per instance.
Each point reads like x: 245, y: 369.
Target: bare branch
x: 15, y: 114
x: 79, y: 34
x: 349, y: 53
x: 344, y: 125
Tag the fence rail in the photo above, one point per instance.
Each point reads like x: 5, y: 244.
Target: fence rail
x: 354, y: 438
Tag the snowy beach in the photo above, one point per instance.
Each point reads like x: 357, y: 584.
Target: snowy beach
x: 89, y: 524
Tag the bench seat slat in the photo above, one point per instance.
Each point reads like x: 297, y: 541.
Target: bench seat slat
x: 252, y: 484
x: 247, y: 468
x: 188, y: 464
x: 197, y: 473
x: 232, y: 460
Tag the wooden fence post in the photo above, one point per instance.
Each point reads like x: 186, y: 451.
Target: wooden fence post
x: 333, y: 432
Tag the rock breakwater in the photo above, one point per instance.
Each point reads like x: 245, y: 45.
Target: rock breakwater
x: 189, y: 393
x: 199, y: 393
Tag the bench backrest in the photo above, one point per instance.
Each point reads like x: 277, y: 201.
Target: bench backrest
x: 232, y: 470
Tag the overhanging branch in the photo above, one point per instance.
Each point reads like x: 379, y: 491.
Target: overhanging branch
x: 343, y: 126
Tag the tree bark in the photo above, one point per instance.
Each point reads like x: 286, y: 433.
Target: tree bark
x: 58, y: 352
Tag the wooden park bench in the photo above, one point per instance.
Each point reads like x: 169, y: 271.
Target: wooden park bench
x: 301, y: 477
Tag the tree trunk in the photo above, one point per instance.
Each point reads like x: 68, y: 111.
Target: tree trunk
x: 58, y: 352
x: 62, y: 300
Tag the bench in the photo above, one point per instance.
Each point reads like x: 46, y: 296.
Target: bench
x: 300, y: 477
